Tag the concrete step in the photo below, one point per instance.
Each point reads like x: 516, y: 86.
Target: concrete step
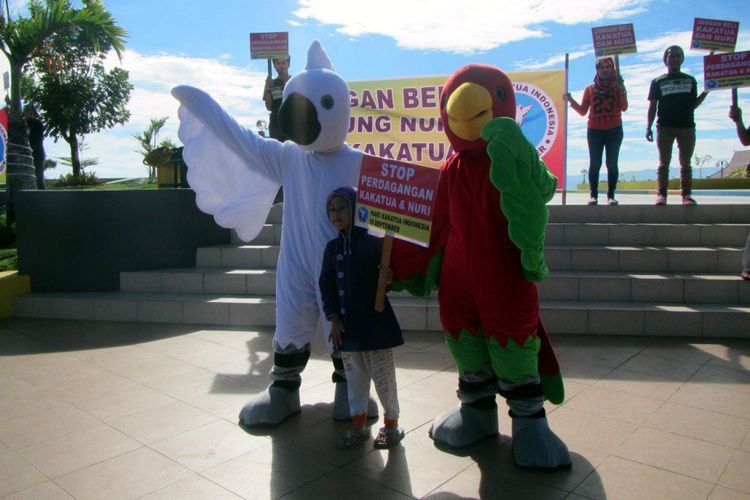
x: 560, y: 285
x: 665, y: 288
x: 644, y: 259
x: 631, y: 258
x: 616, y: 318
x: 208, y: 280
x: 605, y: 233
x: 650, y: 234
x: 244, y: 256
x: 670, y: 214
x: 561, y: 317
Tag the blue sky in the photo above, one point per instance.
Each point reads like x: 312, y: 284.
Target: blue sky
x: 205, y: 44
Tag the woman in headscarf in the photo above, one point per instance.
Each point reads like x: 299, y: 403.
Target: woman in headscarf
x: 604, y: 100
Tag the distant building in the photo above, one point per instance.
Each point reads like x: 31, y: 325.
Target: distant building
x: 740, y: 161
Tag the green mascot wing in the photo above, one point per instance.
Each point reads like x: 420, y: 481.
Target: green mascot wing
x: 526, y: 185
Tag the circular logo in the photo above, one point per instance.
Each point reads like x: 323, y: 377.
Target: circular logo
x: 363, y: 214
x: 712, y: 84
x: 537, y: 116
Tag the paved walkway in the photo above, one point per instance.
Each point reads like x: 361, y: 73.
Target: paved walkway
x: 124, y: 410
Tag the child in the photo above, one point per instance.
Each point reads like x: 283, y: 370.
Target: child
x: 348, y: 283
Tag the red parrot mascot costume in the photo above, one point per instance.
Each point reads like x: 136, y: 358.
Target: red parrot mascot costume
x: 486, y: 252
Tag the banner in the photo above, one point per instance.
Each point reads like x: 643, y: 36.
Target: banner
x: 269, y: 45
x: 615, y: 39
x: 712, y: 34
x: 724, y: 71
x: 397, y: 198
x: 399, y: 119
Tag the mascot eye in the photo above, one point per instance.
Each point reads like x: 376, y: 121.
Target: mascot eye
x: 326, y: 101
x: 443, y: 101
x: 500, y: 93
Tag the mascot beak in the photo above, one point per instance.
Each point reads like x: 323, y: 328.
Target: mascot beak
x: 298, y: 119
x: 469, y: 108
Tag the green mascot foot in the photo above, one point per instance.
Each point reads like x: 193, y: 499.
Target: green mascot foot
x: 341, y: 404
x: 271, y: 407
x: 535, y: 446
x: 465, y: 425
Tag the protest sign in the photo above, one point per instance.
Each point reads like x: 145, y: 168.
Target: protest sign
x: 269, y: 45
x: 614, y: 39
x: 399, y: 119
x: 397, y: 197
x: 723, y: 71
x: 713, y: 34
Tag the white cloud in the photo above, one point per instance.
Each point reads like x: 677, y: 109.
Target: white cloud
x: 557, y: 60
x: 153, y: 76
x: 458, y: 29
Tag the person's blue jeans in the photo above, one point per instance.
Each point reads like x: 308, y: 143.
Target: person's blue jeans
x: 600, y: 140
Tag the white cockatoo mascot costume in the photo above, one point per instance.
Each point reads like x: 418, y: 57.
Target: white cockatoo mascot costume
x: 236, y: 174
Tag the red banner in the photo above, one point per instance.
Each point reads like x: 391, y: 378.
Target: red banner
x: 397, y: 197
x: 269, y: 45
x: 723, y: 71
x: 615, y: 39
x: 712, y: 34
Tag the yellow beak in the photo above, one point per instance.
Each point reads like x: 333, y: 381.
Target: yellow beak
x: 469, y: 108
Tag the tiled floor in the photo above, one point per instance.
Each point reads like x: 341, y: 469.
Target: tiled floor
x: 123, y: 410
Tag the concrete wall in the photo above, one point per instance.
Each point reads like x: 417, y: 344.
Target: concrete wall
x: 81, y: 240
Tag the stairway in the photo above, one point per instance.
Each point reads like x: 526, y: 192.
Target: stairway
x: 625, y: 270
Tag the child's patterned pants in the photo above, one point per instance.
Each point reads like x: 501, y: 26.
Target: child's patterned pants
x: 378, y: 366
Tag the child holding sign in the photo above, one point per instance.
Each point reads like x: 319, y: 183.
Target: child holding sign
x: 348, y: 283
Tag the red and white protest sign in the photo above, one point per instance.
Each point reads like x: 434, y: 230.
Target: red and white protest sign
x: 615, y: 39
x: 397, y: 197
x: 723, y: 71
x: 712, y: 34
x: 269, y: 45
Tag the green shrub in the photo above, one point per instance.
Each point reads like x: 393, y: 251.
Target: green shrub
x: 70, y: 180
x: 8, y: 259
x: 7, y: 234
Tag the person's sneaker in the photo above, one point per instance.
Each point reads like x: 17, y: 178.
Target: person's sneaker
x: 612, y: 201
x: 593, y: 201
x: 661, y: 200
x: 687, y: 200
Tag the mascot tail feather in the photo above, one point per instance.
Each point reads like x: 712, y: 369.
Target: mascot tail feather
x: 549, y: 369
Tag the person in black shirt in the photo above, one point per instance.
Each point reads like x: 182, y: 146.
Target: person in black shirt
x: 673, y: 98
x: 272, y: 95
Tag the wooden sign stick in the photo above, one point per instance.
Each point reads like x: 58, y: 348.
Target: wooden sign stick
x: 385, y: 262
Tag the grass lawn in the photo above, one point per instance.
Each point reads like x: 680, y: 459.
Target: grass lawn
x: 8, y: 259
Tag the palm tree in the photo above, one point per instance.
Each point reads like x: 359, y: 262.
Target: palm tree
x: 24, y: 38
x: 148, y: 141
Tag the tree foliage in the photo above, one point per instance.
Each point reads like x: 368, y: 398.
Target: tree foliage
x: 75, y: 93
x: 25, y: 39
x: 148, y: 142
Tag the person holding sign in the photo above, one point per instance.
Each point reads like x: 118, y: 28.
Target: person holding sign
x: 272, y: 96
x: 348, y: 282
x: 673, y: 98
x: 604, y: 101
x: 743, y: 134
